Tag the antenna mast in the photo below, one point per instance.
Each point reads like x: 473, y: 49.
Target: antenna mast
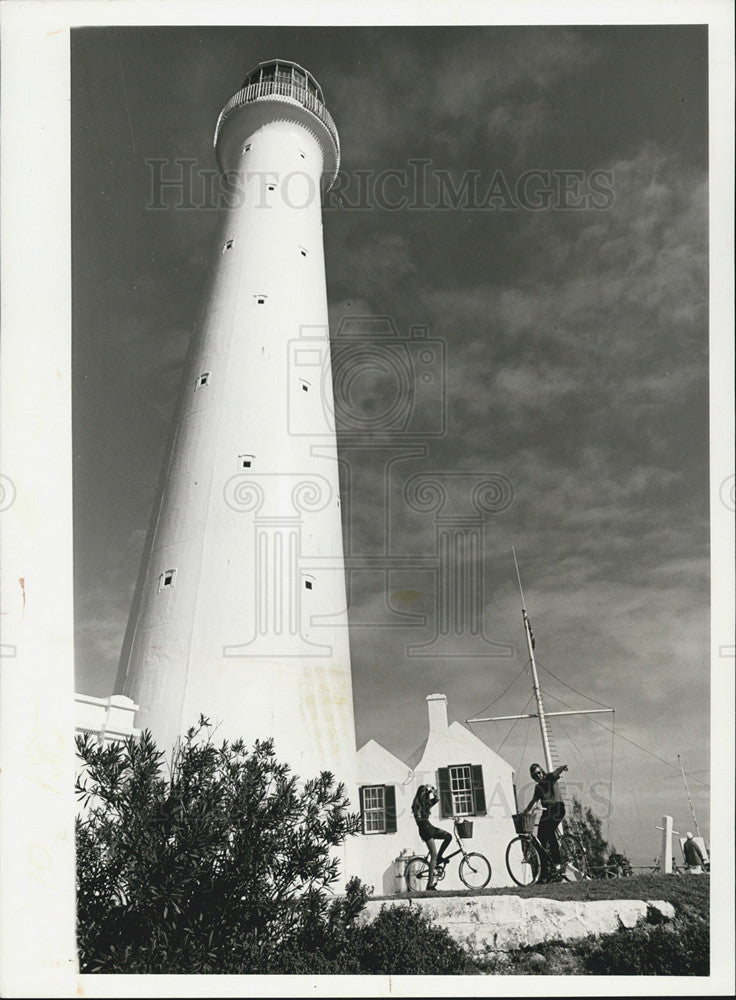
x: 535, y: 679
x: 542, y: 714
x: 692, y: 810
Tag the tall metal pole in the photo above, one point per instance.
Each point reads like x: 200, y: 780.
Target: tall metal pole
x: 535, y: 678
x: 692, y: 810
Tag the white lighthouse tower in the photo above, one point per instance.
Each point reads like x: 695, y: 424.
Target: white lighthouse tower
x: 240, y: 609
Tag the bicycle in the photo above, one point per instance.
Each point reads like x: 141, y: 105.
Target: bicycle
x: 617, y: 866
x: 656, y: 869
x: 526, y: 857
x: 474, y: 870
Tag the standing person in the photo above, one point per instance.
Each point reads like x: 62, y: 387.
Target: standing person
x: 547, y: 793
x: 425, y: 798
x: 693, y: 855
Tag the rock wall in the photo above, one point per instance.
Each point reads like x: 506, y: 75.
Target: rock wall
x: 501, y: 923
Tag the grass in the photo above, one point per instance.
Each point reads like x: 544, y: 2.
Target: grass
x: 690, y: 891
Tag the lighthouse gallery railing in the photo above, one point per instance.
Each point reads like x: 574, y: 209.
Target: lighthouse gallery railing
x: 279, y: 88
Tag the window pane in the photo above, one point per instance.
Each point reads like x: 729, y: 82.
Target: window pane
x: 374, y: 809
x: 461, y: 787
x: 283, y: 74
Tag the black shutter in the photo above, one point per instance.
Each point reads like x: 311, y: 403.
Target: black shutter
x: 479, y: 792
x: 362, y: 814
x: 389, y: 792
x: 444, y: 790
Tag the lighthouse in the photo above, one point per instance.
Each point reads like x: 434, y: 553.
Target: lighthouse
x: 240, y: 607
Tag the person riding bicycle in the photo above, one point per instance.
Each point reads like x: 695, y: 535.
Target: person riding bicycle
x: 425, y: 798
x: 547, y: 793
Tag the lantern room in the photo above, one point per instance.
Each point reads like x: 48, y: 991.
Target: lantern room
x: 284, y: 77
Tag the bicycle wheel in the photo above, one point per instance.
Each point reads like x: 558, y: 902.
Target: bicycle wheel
x: 475, y: 870
x: 523, y: 860
x: 574, y: 862
x: 416, y: 874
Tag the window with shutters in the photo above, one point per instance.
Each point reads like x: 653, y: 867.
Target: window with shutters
x: 461, y: 790
x: 378, y: 808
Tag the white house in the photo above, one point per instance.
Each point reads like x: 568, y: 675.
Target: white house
x: 473, y: 782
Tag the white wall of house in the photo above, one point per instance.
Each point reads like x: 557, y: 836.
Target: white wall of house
x: 458, y: 753
x: 372, y: 856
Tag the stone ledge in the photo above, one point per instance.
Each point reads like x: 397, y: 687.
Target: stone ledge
x: 500, y: 923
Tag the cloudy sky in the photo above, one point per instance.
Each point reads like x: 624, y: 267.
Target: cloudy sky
x: 568, y: 286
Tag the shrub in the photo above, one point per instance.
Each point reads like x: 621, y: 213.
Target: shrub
x: 325, y: 945
x: 677, y: 949
x: 588, y: 828
x: 402, y: 940
x: 219, y: 864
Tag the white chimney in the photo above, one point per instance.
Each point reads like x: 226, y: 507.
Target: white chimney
x: 437, y: 707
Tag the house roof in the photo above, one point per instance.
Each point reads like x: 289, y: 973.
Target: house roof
x: 456, y: 740
x: 414, y: 758
x: 462, y: 744
x: 375, y: 760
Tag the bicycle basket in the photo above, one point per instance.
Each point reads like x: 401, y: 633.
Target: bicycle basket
x: 523, y: 822
x: 464, y: 829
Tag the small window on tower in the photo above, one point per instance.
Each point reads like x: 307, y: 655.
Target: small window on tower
x: 246, y: 461
x: 247, y: 146
x: 260, y: 299
x: 309, y: 583
x: 203, y: 379
x: 270, y: 187
x: 227, y: 245
x: 305, y: 385
x: 302, y: 154
x: 302, y: 251
x: 166, y: 579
